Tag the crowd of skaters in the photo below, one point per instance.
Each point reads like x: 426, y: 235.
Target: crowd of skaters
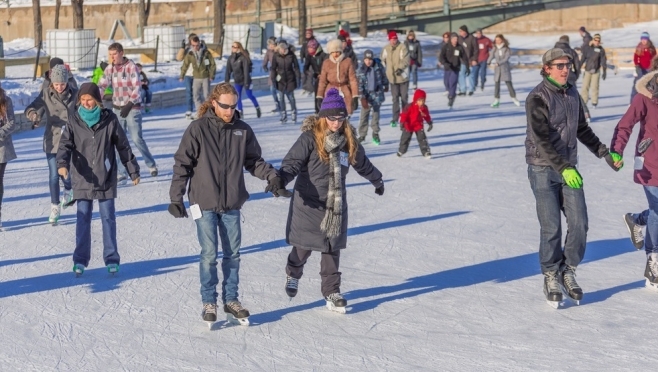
x: 110, y: 109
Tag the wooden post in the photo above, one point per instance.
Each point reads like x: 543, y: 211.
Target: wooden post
x: 36, y: 62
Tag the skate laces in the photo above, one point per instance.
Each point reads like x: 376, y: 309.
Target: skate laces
x: 235, y: 306
x: 292, y: 282
x: 335, y: 297
x: 653, y: 266
x: 569, y: 277
x: 637, y: 233
x: 552, y: 282
x: 210, y: 308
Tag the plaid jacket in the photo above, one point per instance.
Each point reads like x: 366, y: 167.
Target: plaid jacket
x: 126, y: 83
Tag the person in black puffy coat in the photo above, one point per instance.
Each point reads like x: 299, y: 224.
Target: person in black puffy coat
x: 239, y: 65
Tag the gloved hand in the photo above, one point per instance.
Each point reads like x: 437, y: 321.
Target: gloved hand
x: 266, y: 69
x: 468, y: 71
x: 177, y: 209
x: 182, y: 44
x: 318, y: 102
x: 572, y: 178
x: 603, y: 75
x: 614, y: 160
x: 398, y: 72
x: 125, y: 110
x: 136, y: 181
x: 63, y: 172
x: 34, y: 117
x: 364, y: 103
x: 380, y: 190
x: 355, y: 103
x: 274, y: 185
x: 386, y: 89
x: 429, y: 126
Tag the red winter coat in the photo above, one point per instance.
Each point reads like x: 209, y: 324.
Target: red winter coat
x: 412, y: 116
x: 484, y: 46
x: 644, y: 60
x: 644, y: 109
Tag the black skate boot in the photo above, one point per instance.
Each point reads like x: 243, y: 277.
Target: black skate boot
x: 291, y: 286
x: 651, y: 271
x: 635, y: 230
x: 209, y: 312
x: 569, y: 286
x: 451, y: 101
x: 336, y: 302
x: 552, y: 289
x: 235, y: 313
x: 258, y: 113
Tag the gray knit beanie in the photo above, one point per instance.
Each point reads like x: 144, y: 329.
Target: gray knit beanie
x: 59, y: 74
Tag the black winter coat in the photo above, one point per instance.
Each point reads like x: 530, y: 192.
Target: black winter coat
x: 90, y: 155
x: 285, y: 72
x: 211, y: 157
x: 452, y: 57
x: 307, y: 206
x: 415, y: 52
x: 471, y: 48
x: 348, y: 52
x: 240, y: 66
x: 313, y: 66
x: 303, y: 52
x: 594, y: 59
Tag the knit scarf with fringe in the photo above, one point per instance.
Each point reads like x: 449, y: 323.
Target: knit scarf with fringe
x: 333, y: 216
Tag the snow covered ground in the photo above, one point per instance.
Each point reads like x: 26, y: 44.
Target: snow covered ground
x: 441, y: 273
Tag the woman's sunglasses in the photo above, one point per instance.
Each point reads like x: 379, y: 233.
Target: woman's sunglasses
x: 335, y: 118
x: 225, y: 106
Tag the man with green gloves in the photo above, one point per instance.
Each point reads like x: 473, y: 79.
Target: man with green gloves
x: 556, y: 119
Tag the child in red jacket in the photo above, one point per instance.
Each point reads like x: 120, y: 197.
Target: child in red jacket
x: 412, y: 119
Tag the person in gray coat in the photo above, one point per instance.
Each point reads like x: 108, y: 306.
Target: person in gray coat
x: 317, y: 219
x: 7, y: 153
x: 87, y: 148
x: 502, y: 72
x: 54, y: 104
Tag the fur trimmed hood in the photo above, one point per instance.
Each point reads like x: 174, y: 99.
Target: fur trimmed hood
x: 642, y: 85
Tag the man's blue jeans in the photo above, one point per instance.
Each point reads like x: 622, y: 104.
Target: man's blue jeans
x: 650, y: 218
x: 479, y: 71
x: 229, y: 231
x: 132, y: 125
x: 189, y: 96
x: 553, y: 196
x: 82, y: 253
x: 275, y: 96
x: 53, y: 179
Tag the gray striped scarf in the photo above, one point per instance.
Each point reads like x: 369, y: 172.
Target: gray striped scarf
x: 333, y: 216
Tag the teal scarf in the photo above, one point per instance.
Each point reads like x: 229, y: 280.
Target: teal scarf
x: 91, y: 117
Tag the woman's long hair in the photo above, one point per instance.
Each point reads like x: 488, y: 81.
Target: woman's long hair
x: 242, y: 50
x: 218, y: 90
x: 501, y: 37
x: 320, y: 132
x: 639, y: 50
x: 3, y: 104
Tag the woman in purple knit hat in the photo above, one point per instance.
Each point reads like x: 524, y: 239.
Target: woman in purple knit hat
x: 317, y: 220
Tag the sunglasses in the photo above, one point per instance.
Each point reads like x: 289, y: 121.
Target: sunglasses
x: 225, y: 106
x: 336, y: 118
x: 561, y: 66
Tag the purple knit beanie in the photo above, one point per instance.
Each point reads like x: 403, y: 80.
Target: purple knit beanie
x: 333, y: 105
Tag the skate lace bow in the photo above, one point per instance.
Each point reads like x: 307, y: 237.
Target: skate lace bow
x: 209, y: 308
x: 292, y: 283
x: 570, y: 280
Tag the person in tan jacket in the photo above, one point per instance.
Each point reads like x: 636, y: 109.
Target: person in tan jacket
x: 395, y: 57
x: 338, y: 72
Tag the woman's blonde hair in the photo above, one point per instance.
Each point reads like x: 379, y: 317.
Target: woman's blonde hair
x: 320, y: 132
x: 242, y: 50
x: 218, y: 90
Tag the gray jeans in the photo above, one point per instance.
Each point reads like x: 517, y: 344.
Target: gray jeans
x: 200, y: 91
x: 399, y: 92
x: 365, y: 117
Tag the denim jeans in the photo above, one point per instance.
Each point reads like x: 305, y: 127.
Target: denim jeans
x: 132, y: 125
x: 651, y: 238
x: 413, y: 74
x: 641, y: 218
x: 229, y: 231
x: 147, y: 96
x: 552, y: 195
x: 3, y: 166
x: 282, y: 103
x: 275, y: 96
x: 189, y: 97
x: 82, y: 253
x: 248, y: 92
x: 463, y: 79
x: 53, y: 179
x: 479, y: 71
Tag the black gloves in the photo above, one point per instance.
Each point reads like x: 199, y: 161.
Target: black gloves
x: 125, y: 110
x: 177, y: 209
x: 429, y: 126
x: 386, y: 89
x: 603, y: 75
x: 277, y: 188
x: 355, y: 103
x: 468, y: 71
x: 318, y: 102
x: 398, y: 72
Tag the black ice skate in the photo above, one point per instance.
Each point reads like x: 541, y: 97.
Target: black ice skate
x: 336, y: 302
x: 569, y: 286
x: 291, y: 286
x: 651, y: 272
x: 552, y: 289
x: 235, y: 313
x: 209, y: 314
x: 635, y: 230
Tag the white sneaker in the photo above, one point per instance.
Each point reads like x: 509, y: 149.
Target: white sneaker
x: 516, y: 102
x: 154, y: 171
x: 122, y: 179
x: 54, y: 213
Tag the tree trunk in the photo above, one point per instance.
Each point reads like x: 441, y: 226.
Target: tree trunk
x: 301, y: 8
x: 219, y: 12
x: 144, y: 11
x: 58, y: 7
x: 38, y: 29
x: 363, y: 29
x: 78, y: 14
x: 277, y: 7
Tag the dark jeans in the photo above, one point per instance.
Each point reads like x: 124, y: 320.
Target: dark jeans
x: 189, y: 96
x: 147, y: 96
x: 510, y: 88
x: 641, y: 218
x: 282, y: 103
x: 405, y: 139
x: 450, y: 79
x: 248, y: 92
x: 54, y: 177
x: 413, y: 74
x: 275, y: 96
x: 553, y: 196
x: 399, y: 92
x: 479, y: 71
x: 3, y: 166
x: 82, y: 253
x: 651, y: 238
x: 329, y: 273
x: 639, y: 76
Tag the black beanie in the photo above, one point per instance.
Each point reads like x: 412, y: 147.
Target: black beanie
x: 92, y: 90
x: 55, y: 61
x: 464, y: 28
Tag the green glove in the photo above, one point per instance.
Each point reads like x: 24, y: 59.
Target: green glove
x: 616, y: 158
x: 572, y: 178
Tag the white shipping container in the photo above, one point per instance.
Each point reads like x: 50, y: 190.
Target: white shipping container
x: 239, y: 33
x: 171, y: 37
x: 76, y: 47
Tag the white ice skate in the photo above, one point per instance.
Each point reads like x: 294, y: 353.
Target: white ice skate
x: 336, y: 302
x: 651, y: 272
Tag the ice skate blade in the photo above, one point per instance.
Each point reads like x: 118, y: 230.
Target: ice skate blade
x: 332, y: 307
x: 237, y: 321
x: 651, y: 286
x: 555, y: 304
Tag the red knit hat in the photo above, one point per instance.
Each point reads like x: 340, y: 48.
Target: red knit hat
x: 344, y: 33
x: 392, y: 35
x: 419, y: 94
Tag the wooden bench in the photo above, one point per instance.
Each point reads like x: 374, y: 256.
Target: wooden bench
x: 42, y: 66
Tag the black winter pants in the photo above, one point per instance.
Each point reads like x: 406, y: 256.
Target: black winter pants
x: 399, y: 92
x: 510, y: 87
x: 329, y: 273
x: 2, y: 185
x: 405, y: 139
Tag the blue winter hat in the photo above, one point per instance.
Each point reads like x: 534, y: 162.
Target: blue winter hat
x: 644, y: 36
x: 333, y: 105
